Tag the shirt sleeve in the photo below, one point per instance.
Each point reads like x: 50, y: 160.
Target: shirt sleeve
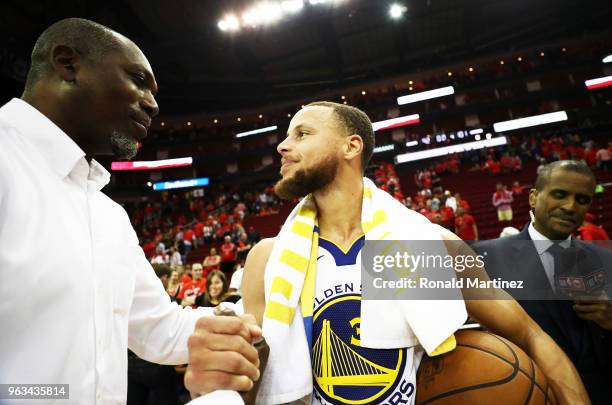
x: 158, y: 329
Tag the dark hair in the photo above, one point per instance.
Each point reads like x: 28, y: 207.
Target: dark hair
x: 223, y: 281
x: 90, y: 39
x: 162, y: 270
x: 576, y: 166
x: 356, y: 122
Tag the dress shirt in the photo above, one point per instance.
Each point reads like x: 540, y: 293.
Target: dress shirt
x: 542, y: 245
x: 75, y: 287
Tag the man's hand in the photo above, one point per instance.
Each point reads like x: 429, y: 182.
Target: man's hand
x: 596, y: 310
x: 221, y: 355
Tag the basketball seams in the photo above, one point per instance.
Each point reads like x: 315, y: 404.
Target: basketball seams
x: 533, y: 371
x: 515, y: 369
x: 520, y: 362
x: 520, y: 369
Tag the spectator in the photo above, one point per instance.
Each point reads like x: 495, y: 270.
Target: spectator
x: 149, y: 249
x: 196, y: 287
x: 189, y: 239
x: 462, y: 203
x: 161, y: 257
x: 228, y: 255
x: 198, y: 231
x: 216, y: 291
x: 450, y: 201
x: 175, y: 257
x: 590, y: 156
x: 243, y: 247
x: 253, y: 236
x: 207, y: 231
x: 506, y: 162
x: 517, y: 188
x: 465, y: 225
x: 517, y: 164
x: 590, y: 231
x: 174, y: 285
x: 492, y: 166
x: 604, y: 157
x: 502, y: 200
x: 211, y: 262
x: 186, y: 277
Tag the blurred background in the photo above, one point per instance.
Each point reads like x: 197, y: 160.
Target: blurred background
x: 442, y: 80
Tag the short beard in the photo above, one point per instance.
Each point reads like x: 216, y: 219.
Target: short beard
x: 303, y: 183
x: 123, y: 146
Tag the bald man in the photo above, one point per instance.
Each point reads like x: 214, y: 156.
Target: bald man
x: 91, y: 91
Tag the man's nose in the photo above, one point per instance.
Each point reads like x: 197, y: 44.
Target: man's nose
x: 283, y: 147
x: 149, y: 104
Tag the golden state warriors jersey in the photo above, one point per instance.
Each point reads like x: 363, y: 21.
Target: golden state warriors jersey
x: 343, y: 371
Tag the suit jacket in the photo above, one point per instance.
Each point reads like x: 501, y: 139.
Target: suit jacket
x: 586, y: 344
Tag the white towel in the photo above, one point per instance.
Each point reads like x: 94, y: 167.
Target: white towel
x: 289, y: 292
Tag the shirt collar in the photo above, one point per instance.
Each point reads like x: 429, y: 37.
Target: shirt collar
x: 57, y: 148
x: 543, y: 242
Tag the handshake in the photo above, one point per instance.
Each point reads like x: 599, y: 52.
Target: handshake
x: 226, y: 352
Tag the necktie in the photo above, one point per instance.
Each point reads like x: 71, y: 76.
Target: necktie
x: 556, y: 252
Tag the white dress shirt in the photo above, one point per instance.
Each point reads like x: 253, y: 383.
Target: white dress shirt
x: 75, y: 287
x: 542, y: 244
x: 236, y: 281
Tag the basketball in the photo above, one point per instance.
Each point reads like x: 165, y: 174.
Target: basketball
x: 483, y: 369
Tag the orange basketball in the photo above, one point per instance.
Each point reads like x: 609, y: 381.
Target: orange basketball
x: 483, y: 369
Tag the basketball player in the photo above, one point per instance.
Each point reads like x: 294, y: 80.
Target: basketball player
x: 91, y: 91
x: 327, y: 147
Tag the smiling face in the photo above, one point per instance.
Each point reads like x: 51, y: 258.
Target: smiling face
x: 196, y: 272
x: 310, y: 152
x: 215, y: 288
x: 559, y: 207
x: 114, y: 100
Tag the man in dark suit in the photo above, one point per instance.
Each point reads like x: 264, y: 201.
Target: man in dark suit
x: 566, y: 286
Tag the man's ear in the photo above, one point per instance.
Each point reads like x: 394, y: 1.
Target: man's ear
x: 533, y: 195
x: 66, y: 62
x: 353, y: 146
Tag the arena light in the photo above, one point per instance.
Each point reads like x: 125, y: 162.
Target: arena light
x: 262, y: 13
x: 292, y: 6
x: 599, y: 82
x: 267, y: 12
x: 170, y: 185
x: 396, y: 10
x: 412, y: 143
x: 425, y: 95
x: 152, y: 164
x: 476, y: 131
x: 256, y: 131
x: 531, y: 121
x: 448, y: 150
x: 396, y: 122
x: 229, y: 23
x: 384, y: 148
x: 607, y: 59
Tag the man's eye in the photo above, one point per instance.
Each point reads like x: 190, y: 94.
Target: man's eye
x: 139, y: 79
x: 558, y: 194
